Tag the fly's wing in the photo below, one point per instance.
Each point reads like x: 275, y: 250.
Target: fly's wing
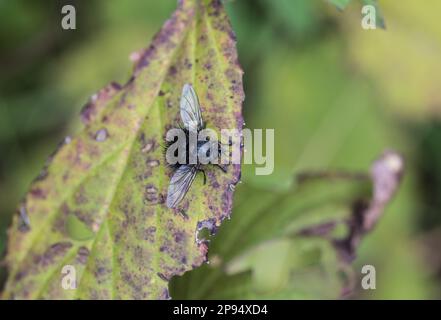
x: 190, y: 109
x: 179, y: 184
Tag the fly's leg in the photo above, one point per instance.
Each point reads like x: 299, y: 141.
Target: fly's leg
x: 223, y: 168
x: 205, y: 176
x: 224, y: 151
x: 229, y: 144
x: 221, y: 152
x: 183, y: 214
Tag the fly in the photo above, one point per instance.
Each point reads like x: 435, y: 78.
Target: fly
x: 185, y: 174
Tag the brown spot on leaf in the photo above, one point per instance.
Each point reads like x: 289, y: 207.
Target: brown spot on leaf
x: 55, y: 251
x: 38, y: 193
x: 83, y: 255
x: 98, y: 101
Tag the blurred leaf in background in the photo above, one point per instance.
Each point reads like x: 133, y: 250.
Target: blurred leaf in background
x: 261, y: 254
x: 297, y: 243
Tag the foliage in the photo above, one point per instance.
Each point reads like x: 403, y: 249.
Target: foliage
x: 294, y: 244
x: 99, y: 203
x: 337, y: 96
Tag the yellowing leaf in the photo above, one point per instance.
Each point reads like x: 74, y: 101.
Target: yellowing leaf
x: 99, y: 204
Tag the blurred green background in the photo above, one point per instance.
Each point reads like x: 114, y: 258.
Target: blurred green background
x: 336, y: 95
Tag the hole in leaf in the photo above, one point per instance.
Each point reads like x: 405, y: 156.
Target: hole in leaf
x: 77, y: 229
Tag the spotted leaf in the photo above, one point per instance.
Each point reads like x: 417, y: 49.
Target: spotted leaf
x: 99, y: 204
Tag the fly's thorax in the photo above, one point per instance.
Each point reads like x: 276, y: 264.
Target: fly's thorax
x: 208, y: 152
x: 192, y: 147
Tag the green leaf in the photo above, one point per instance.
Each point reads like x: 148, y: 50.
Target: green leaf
x: 99, y: 204
x: 77, y: 229
x: 297, y: 243
x: 340, y: 4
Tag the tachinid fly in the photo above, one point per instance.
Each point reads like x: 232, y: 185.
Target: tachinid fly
x: 185, y: 173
